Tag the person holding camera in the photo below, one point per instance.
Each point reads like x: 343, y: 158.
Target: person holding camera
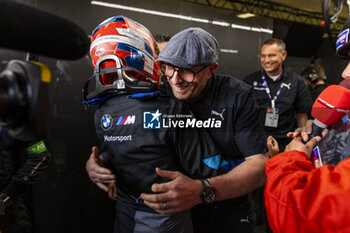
x: 21, y: 163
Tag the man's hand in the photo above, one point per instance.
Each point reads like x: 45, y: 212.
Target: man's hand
x: 305, y: 131
x: 98, y: 174
x: 297, y: 144
x: 273, y: 147
x: 179, y: 194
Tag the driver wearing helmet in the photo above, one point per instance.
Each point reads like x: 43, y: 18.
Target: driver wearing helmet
x: 132, y: 138
x: 301, y: 198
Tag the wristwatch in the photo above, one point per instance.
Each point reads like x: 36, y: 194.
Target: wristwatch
x: 208, y: 192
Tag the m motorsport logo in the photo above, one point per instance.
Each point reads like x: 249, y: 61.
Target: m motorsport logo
x: 126, y: 120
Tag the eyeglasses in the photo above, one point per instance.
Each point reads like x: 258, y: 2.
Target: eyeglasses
x: 185, y: 74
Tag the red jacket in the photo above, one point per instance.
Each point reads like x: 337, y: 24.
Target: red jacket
x: 302, y: 199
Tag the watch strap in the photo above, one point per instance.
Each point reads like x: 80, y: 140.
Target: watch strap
x: 206, y: 184
x: 208, y: 192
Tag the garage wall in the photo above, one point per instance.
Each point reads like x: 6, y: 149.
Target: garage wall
x: 247, y: 43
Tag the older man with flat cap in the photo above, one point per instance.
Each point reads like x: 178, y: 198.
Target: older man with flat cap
x: 220, y: 203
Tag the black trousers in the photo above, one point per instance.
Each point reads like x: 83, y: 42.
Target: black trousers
x: 228, y: 216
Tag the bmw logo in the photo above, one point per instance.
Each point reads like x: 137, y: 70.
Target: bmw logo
x: 106, y: 122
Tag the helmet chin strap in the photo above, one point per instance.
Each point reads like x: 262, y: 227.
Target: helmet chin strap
x: 120, y: 81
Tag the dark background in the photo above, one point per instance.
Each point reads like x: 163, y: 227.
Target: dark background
x: 64, y: 198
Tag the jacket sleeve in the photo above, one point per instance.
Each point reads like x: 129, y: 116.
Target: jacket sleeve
x: 300, y: 198
x: 37, y: 159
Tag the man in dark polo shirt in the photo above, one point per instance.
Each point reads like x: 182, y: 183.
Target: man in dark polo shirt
x: 189, y: 60
x: 282, y: 96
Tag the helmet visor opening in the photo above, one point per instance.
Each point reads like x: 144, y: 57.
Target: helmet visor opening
x: 107, y: 78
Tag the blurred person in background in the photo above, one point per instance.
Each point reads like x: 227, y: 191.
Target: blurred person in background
x: 282, y: 96
x: 315, y: 79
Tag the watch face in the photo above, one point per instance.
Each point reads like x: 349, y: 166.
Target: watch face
x: 208, y: 195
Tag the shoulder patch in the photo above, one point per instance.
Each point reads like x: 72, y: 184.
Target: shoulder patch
x: 342, y: 38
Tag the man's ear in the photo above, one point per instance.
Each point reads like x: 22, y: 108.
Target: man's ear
x: 284, y: 55
x: 213, y: 67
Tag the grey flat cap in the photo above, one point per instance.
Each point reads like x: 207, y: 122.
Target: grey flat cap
x: 190, y: 47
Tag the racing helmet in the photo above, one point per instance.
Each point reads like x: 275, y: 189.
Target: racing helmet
x: 123, y: 53
x: 342, y: 45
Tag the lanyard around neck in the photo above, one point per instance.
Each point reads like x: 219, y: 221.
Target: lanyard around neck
x: 268, y: 92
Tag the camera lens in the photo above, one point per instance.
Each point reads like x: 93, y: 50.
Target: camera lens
x: 13, y: 98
